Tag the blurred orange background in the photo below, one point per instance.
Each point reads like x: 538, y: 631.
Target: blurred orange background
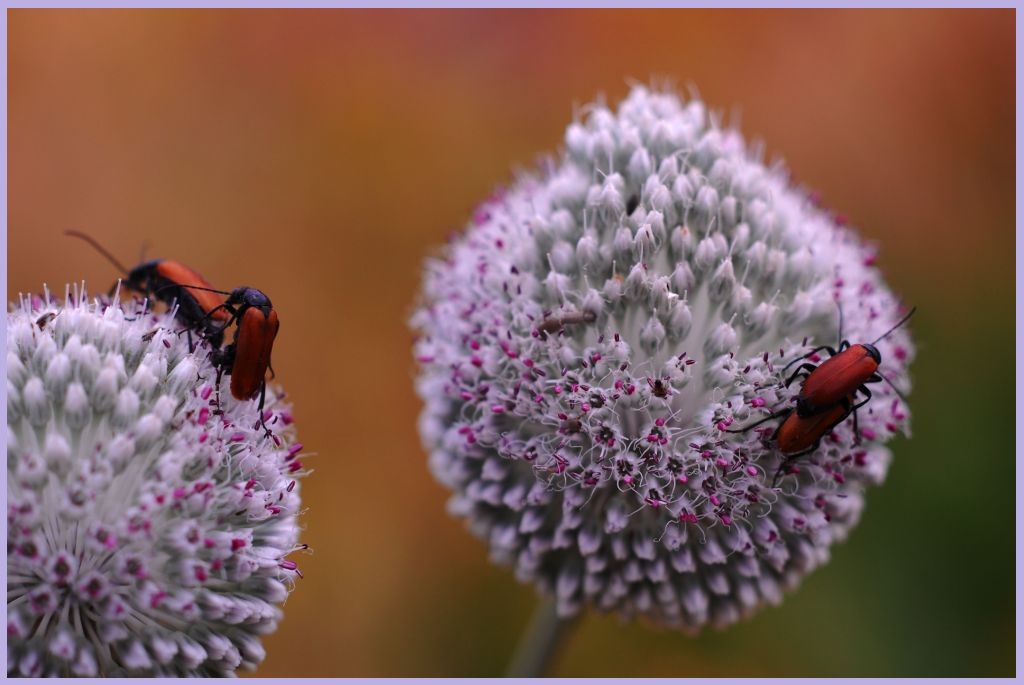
x: 321, y: 155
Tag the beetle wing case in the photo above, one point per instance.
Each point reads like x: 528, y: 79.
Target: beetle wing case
x: 798, y: 433
x: 253, y: 343
x: 835, y: 378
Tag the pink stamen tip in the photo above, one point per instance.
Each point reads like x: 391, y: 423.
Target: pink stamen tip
x: 237, y: 437
x: 714, y: 500
x: 207, y: 391
x: 751, y: 471
x: 155, y: 600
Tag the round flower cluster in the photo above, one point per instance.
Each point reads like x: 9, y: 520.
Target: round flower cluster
x: 148, y: 519
x: 588, y: 344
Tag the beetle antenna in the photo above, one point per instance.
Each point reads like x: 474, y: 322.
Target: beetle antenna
x: 895, y: 389
x: 99, y: 248
x: 191, y: 287
x: 901, y: 322
x: 840, y: 308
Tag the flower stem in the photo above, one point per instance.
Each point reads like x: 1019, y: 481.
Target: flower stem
x: 540, y: 642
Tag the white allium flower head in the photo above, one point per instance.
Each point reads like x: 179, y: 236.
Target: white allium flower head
x: 146, y: 534
x: 588, y: 341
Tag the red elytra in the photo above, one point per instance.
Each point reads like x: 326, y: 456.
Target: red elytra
x: 175, y: 274
x: 254, y: 341
x: 799, y: 434
x: 199, y: 308
x: 837, y: 377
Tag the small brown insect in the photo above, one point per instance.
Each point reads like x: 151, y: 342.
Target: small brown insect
x: 45, y: 319
x: 555, y: 324
x: 658, y: 388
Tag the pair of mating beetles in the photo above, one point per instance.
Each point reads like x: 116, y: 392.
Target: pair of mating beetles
x: 200, y: 307
x: 828, y: 395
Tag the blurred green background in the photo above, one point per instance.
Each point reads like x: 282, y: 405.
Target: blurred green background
x: 321, y: 155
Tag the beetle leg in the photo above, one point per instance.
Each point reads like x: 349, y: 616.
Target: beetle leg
x: 221, y: 360
x: 235, y: 314
x: 773, y: 415
x: 804, y: 368
x: 261, y: 421
x: 828, y: 348
x: 218, y: 411
x: 860, y: 404
x: 789, y: 459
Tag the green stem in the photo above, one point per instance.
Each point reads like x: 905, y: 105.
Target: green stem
x: 540, y: 643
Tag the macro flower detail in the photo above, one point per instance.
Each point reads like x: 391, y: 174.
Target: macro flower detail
x: 590, y: 341
x: 147, y: 526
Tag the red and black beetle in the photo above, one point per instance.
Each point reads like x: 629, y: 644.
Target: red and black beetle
x: 169, y: 281
x: 828, y: 395
x: 247, y: 358
x: 846, y: 372
x: 799, y: 435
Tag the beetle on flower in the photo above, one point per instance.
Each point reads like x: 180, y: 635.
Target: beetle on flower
x: 587, y: 342
x: 146, y: 535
